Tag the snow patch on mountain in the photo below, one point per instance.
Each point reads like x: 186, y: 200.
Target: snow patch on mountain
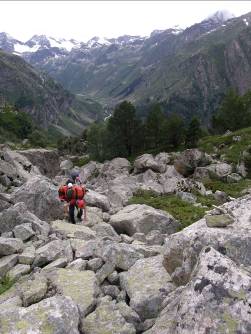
x: 21, y: 48
x: 63, y: 43
x: 246, y: 22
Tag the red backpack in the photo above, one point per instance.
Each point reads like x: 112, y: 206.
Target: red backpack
x: 79, y: 192
x: 62, y: 192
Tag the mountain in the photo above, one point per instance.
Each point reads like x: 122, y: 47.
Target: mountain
x: 47, y: 102
x: 187, y: 71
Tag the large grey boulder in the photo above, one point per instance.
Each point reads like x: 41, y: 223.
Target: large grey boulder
x: 72, y: 230
x: 214, y: 301
x: 149, y: 180
x: 52, y: 251
x: 89, y: 171
x: 93, y: 198
x: 81, y: 286
x: 18, y: 215
x: 55, y: 315
x: 144, y: 162
x: 40, y: 197
x: 47, y: 161
x: 121, y: 255
x: 147, y: 283
x: 163, y: 159
x: 19, y: 270
x: 143, y: 218
x: 7, y: 263
x: 106, y: 319
x: 182, y: 249
x: 219, y: 171
x: 10, y: 246
x: 188, y: 160
x: 23, y: 231
x: 66, y: 166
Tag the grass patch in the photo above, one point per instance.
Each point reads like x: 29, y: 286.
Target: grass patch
x: 184, y: 212
x: 5, y: 284
x: 231, y: 189
x: 226, y: 145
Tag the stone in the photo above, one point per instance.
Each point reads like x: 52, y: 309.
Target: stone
x: 106, y: 319
x: 155, y: 238
x: 214, y: 301
x: 233, y: 178
x: 10, y: 246
x: 145, y: 250
x: 59, y: 263
x: 33, y: 290
x: 84, y: 249
x: 5, y: 181
x: 72, y: 230
x: 40, y: 197
x: 219, y: 171
x: 181, y: 250
x: 93, y: 198
x: 50, y: 252
x: 219, y: 220
x: 220, y: 196
x: 140, y: 236
x: 111, y: 290
x: 77, y: 264
x: 20, y: 269
x: 40, y: 317
x: 106, y: 230
x: 113, y: 278
x: 143, y: 218
x: 28, y: 255
x: 144, y: 162
x: 129, y: 314
x: 89, y: 171
x: 81, y: 286
x: 66, y: 165
x: 18, y: 214
x: 23, y: 231
x: 163, y: 159
x: 123, y: 256
x: 143, y: 283
x: 126, y: 239
x: 94, y: 264
x: 186, y: 197
x: 188, y: 160
x: 106, y: 270
x: 7, y: 263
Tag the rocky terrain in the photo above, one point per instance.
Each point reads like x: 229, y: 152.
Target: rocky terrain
x: 129, y: 269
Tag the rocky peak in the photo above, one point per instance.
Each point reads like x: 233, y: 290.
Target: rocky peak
x: 220, y: 16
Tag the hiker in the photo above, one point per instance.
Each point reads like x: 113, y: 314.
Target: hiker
x: 73, y: 195
x: 74, y: 174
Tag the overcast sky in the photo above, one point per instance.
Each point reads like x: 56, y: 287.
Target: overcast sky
x: 84, y: 19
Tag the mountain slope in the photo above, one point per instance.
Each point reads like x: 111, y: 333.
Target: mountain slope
x: 46, y: 101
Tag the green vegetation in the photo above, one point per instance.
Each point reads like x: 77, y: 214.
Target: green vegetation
x: 230, y: 146
x: 5, y: 284
x: 184, y: 212
x: 232, y: 189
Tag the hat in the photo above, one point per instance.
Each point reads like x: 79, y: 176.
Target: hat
x: 69, y: 185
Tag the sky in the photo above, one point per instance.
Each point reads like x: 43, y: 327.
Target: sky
x: 83, y: 20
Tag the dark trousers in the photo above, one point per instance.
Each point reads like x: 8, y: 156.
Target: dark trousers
x: 71, y: 213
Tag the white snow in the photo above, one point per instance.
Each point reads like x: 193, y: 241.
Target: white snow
x: 220, y: 16
x: 245, y: 21
x: 97, y: 41
x: 63, y: 43
x: 21, y: 48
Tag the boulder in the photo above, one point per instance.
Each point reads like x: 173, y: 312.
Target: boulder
x: 77, y: 264
x: 59, y: 263
x: 144, y: 162
x: 234, y: 178
x: 106, y: 319
x: 10, y: 246
x: 7, y: 263
x: 52, y: 251
x: 19, y: 270
x: 40, y: 197
x: 163, y: 159
x: 89, y: 171
x: 27, y: 256
x: 84, y: 249
x: 121, y: 255
x: 149, y: 180
x: 182, y: 249
x: 219, y: 171
x: 23, y: 231
x: 222, y: 220
x: 106, y: 230
x: 19, y: 214
x: 57, y: 315
x: 66, y: 166
x: 94, y: 264
x: 189, y: 160
x: 186, y: 197
x: 147, y: 283
x: 143, y: 218
x: 47, y: 161
x: 72, y: 230
x: 214, y: 301
x: 81, y: 286
x: 93, y: 198
x: 32, y: 290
